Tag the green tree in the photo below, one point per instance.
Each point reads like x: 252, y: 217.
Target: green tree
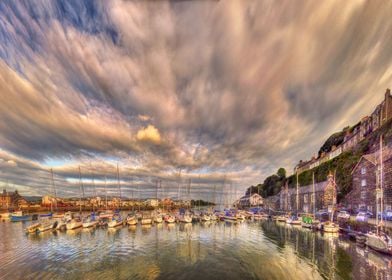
x: 281, y: 173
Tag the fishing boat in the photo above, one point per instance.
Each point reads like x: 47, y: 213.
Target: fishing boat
x: 46, y: 215
x: 116, y: 222
x: 90, y: 221
x: 74, y: 224
x: 19, y: 216
x: 47, y: 225
x: 32, y: 228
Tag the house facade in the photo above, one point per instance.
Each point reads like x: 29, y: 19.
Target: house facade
x: 11, y: 200
x: 251, y: 200
x: 366, y: 180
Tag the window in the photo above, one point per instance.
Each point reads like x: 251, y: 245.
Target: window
x: 363, y: 183
x: 363, y: 195
x: 312, y: 197
x: 363, y: 170
x: 305, y: 198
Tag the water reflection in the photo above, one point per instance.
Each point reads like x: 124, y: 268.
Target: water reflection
x: 211, y: 250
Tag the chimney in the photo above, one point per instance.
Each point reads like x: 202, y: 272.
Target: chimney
x: 388, y: 93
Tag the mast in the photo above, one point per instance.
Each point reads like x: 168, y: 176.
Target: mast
x: 118, y: 184
x: 94, y: 188
x: 179, y: 188
x: 314, y: 196
x: 381, y: 182
x: 81, y: 190
x: 297, y: 195
x: 106, y: 195
x: 54, y: 191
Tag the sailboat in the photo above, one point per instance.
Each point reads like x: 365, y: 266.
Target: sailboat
x: 309, y: 221
x: 47, y: 225
x: 330, y: 226
x: 74, y: 223
x: 293, y: 220
x: 117, y: 220
x: 90, y: 221
x: 379, y: 240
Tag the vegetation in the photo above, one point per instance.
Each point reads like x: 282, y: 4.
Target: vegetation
x: 342, y: 165
x: 200, y: 202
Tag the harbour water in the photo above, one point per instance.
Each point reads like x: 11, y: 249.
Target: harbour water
x: 219, y: 250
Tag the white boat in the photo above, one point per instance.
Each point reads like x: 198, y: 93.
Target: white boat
x: 5, y: 216
x: 131, y: 220
x: 186, y: 218
x: 146, y: 219
x: 281, y: 219
x: 158, y: 219
x: 293, y: 221
x: 33, y: 228
x: 205, y: 217
x: 47, y: 225
x: 74, y: 224
x: 106, y: 214
x: 61, y: 225
x: 90, y: 222
x: 330, y: 227
x: 380, y: 242
x: 116, y: 222
x: 240, y: 216
x: 170, y: 219
x: 58, y: 215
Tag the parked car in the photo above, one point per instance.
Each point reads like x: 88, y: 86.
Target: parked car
x: 343, y: 215
x: 362, y: 217
x: 386, y: 215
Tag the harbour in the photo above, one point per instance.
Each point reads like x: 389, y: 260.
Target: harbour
x: 245, y: 249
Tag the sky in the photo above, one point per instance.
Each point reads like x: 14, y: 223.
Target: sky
x: 211, y: 96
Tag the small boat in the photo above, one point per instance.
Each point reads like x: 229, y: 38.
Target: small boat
x: 240, y: 216
x: 213, y: 217
x: 205, y: 217
x: 146, y: 219
x: 158, y: 219
x: 170, y: 219
x: 74, y: 224
x: 33, y: 228
x: 58, y: 215
x: 230, y: 217
x: 307, y: 221
x: 5, y: 216
x: 131, y: 220
x: 294, y: 221
x: 116, y: 221
x: 379, y: 242
x: 19, y: 216
x: 330, y: 227
x: 186, y: 218
x: 62, y: 224
x: 106, y: 214
x: 47, y: 225
x: 45, y: 215
x: 281, y: 219
x: 90, y: 221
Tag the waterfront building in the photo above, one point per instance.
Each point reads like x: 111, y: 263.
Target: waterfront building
x: 353, y: 135
x: 12, y: 200
x: 306, y: 198
x: 250, y: 200
x: 365, y: 178
x: 152, y: 202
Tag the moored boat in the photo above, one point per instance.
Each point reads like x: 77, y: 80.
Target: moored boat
x: 32, y: 228
x: 74, y: 224
x: 116, y: 221
x: 330, y: 227
x: 131, y: 220
x: 90, y: 221
x: 47, y: 225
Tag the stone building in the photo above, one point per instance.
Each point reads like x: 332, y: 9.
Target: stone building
x: 11, y: 200
x: 308, y: 202
x: 251, y: 200
x: 365, y: 179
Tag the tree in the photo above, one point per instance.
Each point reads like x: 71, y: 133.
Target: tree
x: 281, y: 172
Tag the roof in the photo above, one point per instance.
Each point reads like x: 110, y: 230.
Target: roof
x: 318, y: 187
x: 249, y: 195
x: 374, y: 158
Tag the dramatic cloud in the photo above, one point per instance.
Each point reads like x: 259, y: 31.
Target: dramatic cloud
x: 227, y: 91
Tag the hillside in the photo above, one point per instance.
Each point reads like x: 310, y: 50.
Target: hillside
x: 342, y: 164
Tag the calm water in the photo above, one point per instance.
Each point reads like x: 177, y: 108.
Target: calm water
x: 249, y: 250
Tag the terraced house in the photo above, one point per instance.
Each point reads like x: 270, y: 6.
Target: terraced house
x: 365, y: 180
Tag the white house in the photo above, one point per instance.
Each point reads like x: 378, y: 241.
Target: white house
x: 251, y: 200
